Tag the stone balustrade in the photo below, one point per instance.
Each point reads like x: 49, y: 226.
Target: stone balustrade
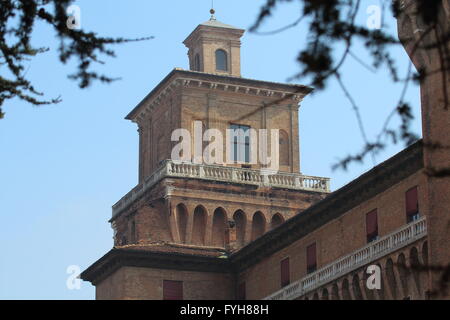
x: 178, y: 169
x: 340, y: 267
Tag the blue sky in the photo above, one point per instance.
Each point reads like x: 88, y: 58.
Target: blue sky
x: 62, y: 167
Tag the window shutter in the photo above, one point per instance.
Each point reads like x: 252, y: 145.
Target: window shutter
x: 311, y: 259
x: 241, y: 294
x: 412, y: 203
x: 285, y: 276
x: 372, y: 225
x: 172, y: 290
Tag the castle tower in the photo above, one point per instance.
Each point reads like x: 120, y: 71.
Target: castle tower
x: 170, y: 230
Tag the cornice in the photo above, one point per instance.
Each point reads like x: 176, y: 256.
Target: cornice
x: 179, y: 78
x: 117, y: 258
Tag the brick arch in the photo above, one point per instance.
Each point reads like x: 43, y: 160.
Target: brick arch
x: 390, y: 276
x: 181, y: 215
x: 219, y: 227
x: 335, y: 292
x: 425, y: 253
x: 276, y: 220
x: 199, y: 225
x: 403, y: 273
x: 356, y: 287
x: 324, y: 295
x: 240, y: 220
x: 258, y: 225
x: 345, y: 288
x: 415, y: 265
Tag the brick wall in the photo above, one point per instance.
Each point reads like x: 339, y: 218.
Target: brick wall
x: 335, y: 239
x: 129, y: 283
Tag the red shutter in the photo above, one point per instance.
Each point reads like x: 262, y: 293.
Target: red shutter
x: 412, y: 203
x: 372, y: 225
x: 311, y: 261
x: 241, y: 292
x: 172, y: 290
x: 285, y: 276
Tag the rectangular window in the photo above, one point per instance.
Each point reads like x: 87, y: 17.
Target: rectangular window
x: 412, y: 205
x: 133, y: 237
x: 240, y: 143
x: 285, y: 275
x: 311, y: 258
x: 372, y: 225
x: 172, y: 290
x: 241, y: 294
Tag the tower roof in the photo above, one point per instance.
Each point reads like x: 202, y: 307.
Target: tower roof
x: 213, y: 22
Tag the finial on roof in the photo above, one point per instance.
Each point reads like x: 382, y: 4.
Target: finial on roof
x: 212, y: 11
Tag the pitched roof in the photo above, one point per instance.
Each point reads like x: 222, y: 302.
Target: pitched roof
x: 218, y: 24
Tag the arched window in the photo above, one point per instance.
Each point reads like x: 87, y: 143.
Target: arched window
x: 356, y: 288
x: 277, y: 219
x: 197, y: 62
x: 199, y: 227
x: 325, y: 294
x: 221, y: 60
x: 335, y: 292
x: 182, y: 218
x: 346, y: 290
x: 390, y: 275
x: 284, y: 148
x: 415, y: 267
x: 258, y: 225
x: 219, y: 228
x: 403, y: 273
x: 241, y: 223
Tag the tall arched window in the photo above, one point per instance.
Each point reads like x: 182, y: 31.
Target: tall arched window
x: 258, y: 225
x: 197, y: 62
x: 221, y: 60
x: 219, y: 227
x: 240, y: 219
x: 277, y: 219
x: 182, y: 218
x: 284, y: 148
x: 199, y: 227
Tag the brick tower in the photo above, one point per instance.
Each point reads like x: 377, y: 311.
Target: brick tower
x: 429, y: 49
x: 170, y: 230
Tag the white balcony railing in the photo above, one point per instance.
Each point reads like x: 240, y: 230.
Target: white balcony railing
x: 373, y: 251
x: 171, y: 168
